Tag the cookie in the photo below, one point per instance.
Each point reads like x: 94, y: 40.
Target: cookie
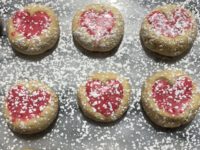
x: 104, y: 97
x: 30, y: 107
x: 33, y: 29
x: 169, y: 30
x: 170, y: 98
x: 98, y: 27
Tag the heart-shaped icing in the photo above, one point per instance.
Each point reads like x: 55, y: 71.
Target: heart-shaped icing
x: 172, y: 26
x: 175, y: 98
x: 104, y: 97
x: 24, y: 105
x: 30, y: 25
x: 98, y: 24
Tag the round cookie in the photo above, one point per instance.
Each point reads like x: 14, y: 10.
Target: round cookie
x: 33, y: 29
x: 30, y: 107
x: 170, y: 98
x: 169, y: 30
x: 104, y: 97
x: 98, y: 27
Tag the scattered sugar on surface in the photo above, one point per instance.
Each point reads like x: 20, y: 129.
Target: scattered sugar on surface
x: 66, y: 67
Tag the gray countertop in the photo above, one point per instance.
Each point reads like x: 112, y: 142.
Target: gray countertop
x: 66, y: 67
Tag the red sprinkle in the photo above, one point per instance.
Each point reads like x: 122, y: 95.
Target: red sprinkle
x: 23, y: 105
x: 104, y: 97
x: 30, y: 25
x: 173, y: 98
x: 98, y: 24
x: 173, y: 26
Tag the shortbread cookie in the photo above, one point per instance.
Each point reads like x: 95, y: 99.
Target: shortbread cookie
x: 33, y: 29
x: 170, y: 98
x: 98, y: 27
x: 104, y: 97
x: 169, y: 30
x: 30, y: 107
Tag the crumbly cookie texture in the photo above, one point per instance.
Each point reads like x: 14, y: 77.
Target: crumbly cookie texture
x: 98, y: 27
x: 169, y: 30
x: 33, y: 29
x: 30, y: 107
x: 170, y: 98
x: 104, y: 97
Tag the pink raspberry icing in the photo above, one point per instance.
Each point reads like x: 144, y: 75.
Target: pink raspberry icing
x: 179, y: 22
x: 24, y: 105
x: 30, y: 25
x: 175, y: 98
x: 104, y: 97
x: 97, y: 24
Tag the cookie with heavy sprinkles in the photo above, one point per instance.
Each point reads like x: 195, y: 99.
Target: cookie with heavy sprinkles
x: 170, y: 98
x: 30, y: 107
x: 33, y: 29
x: 104, y: 97
x: 98, y: 27
x: 169, y: 30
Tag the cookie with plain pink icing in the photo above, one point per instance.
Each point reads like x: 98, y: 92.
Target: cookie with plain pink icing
x: 170, y: 98
x: 169, y: 30
x: 33, y: 29
x: 104, y: 97
x: 30, y: 107
x: 98, y: 27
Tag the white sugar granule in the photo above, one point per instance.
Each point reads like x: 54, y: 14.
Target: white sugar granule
x: 67, y: 67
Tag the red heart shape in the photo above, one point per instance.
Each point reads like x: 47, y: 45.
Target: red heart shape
x: 30, y: 25
x: 98, y: 24
x: 23, y: 105
x: 173, y: 98
x: 104, y: 97
x: 173, y: 26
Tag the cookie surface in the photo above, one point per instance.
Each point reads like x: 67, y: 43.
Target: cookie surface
x: 98, y: 27
x: 104, y: 97
x: 33, y: 29
x: 30, y: 107
x: 169, y: 30
x: 170, y: 98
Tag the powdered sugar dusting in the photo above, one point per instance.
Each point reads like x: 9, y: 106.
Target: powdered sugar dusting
x: 30, y: 25
x: 98, y: 24
x: 106, y: 97
x: 171, y: 26
x: 173, y: 98
x: 24, y: 105
x: 66, y: 67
